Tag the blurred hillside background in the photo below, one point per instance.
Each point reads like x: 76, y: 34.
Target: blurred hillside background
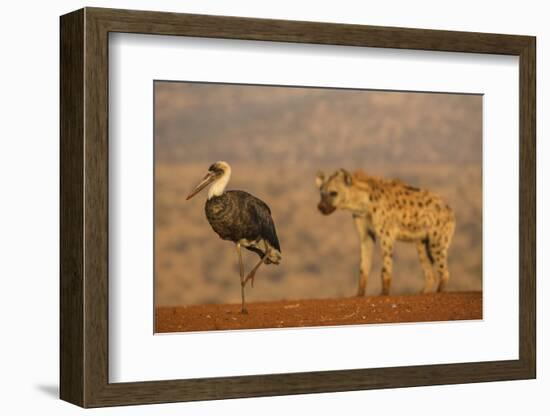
x: 276, y: 139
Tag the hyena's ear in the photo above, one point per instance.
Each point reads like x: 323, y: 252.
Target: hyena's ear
x: 320, y: 179
x: 347, y: 177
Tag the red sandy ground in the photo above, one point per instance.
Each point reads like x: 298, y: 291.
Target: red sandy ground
x: 322, y: 312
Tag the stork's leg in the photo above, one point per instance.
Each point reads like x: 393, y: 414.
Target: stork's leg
x: 241, y: 271
x: 252, y: 273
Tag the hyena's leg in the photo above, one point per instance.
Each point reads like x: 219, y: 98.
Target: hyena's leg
x: 366, y: 241
x: 426, y: 259
x: 440, y: 251
x: 387, y: 263
x: 442, y: 269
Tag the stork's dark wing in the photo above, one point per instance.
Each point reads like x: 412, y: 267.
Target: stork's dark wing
x: 243, y: 216
x: 261, y: 213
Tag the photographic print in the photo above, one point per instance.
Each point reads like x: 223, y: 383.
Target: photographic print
x: 193, y: 210
x: 289, y: 206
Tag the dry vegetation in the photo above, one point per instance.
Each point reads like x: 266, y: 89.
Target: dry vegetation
x: 276, y: 140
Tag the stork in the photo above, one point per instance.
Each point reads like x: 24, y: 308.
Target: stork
x: 239, y: 217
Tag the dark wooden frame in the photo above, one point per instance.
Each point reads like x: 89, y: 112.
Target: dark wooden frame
x: 84, y: 207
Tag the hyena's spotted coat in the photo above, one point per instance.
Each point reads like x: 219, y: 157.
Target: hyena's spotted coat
x: 390, y: 210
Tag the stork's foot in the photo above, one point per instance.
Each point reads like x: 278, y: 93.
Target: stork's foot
x: 251, y: 278
x: 244, y: 311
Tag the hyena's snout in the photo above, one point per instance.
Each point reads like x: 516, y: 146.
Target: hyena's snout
x: 325, y: 207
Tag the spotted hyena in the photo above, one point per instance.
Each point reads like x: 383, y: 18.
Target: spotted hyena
x: 390, y: 211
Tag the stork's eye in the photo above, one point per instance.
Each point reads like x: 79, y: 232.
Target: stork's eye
x: 333, y: 193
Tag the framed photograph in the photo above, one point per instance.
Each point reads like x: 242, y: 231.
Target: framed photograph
x: 254, y: 207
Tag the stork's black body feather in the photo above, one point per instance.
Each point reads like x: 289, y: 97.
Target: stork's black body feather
x: 241, y: 217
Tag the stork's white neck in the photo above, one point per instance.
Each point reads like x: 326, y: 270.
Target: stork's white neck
x: 218, y: 187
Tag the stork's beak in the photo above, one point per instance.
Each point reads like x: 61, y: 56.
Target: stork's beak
x: 207, y: 180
